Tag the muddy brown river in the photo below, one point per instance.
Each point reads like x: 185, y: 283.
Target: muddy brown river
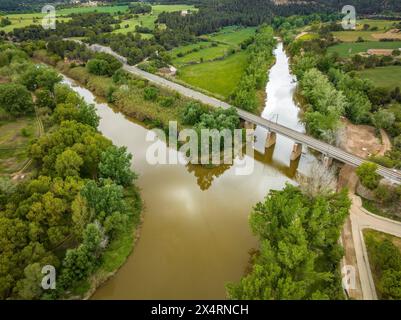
x: 195, y: 237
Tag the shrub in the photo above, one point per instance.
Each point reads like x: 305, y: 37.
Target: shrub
x: 150, y: 93
x: 368, y: 175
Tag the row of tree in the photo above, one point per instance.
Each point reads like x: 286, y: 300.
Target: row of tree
x: 260, y: 57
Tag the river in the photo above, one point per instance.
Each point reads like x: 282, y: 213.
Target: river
x: 195, y: 236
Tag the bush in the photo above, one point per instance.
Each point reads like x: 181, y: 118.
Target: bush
x: 150, y: 93
x: 167, y: 102
x: 15, y: 99
x: 368, y: 176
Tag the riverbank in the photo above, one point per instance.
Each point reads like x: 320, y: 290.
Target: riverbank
x: 126, y: 94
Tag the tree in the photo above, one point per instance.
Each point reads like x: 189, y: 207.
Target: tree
x: 368, y: 175
x: 104, y: 200
x: 15, y: 99
x: 77, y: 265
x: 30, y: 288
x: 38, y: 76
x: 98, y: 67
x: 383, y: 119
x: 390, y: 284
x: 44, y: 99
x: 68, y: 163
x: 115, y: 164
x: 299, y: 253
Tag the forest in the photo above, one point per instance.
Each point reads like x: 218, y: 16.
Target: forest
x: 81, y: 199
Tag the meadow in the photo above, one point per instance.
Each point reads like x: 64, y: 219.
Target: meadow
x: 233, y: 35
x: 347, y: 49
x: 14, y: 141
x: 386, y: 77
x: 219, y: 77
x: 147, y: 20
x: 212, y: 67
x: 202, y: 55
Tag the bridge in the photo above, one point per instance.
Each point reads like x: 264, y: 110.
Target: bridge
x: 329, y: 151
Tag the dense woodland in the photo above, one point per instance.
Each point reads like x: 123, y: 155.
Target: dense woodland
x: 81, y: 198
x: 299, y: 252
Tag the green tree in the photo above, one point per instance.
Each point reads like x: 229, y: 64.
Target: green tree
x: 38, y: 76
x: 115, y: 164
x: 68, y: 163
x: 390, y: 284
x: 383, y: 119
x: 30, y: 288
x: 368, y: 175
x: 44, y: 99
x: 15, y: 99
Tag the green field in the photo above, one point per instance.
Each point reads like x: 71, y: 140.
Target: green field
x: 232, y: 35
x: 148, y: 20
x: 206, y: 54
x: 353, y: 35
x: 14, y: 144
x: 386, y: 77
x: 218, y: 77
x: 382, y: 25
x: 347, y: 49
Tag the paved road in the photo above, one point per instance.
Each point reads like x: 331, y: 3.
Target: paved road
x: 324, y: 148
x: 360, y: 220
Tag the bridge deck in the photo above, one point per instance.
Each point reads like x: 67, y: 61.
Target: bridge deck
x: 313, y: 143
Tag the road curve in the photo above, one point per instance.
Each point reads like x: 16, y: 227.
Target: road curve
x: 320, y: 146
x: 360, y: 220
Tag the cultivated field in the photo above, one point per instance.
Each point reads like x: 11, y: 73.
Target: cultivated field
x: 382, y: 26
x: 347, y: 49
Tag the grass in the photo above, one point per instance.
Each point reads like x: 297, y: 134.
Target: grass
x: 219, y: 77
x: 13, y: 143
x: 207, y: 54
x: 372, y: 238
x: 233, y: 35
x: 308, y: 37
x: 375, y: 208
x: 382, y: 25
x: 387, y: 77
x: 130, y: 100
x: 347, y: 49
x: 148, y: 20
x: 353, y: 35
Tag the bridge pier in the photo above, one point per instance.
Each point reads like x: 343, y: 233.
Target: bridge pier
x: 327, y: 161
x: 249, y: 125
x: 270, y: 139
x: 296, y: 151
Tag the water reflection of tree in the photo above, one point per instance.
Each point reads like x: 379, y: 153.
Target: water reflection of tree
x: 205, y: 175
